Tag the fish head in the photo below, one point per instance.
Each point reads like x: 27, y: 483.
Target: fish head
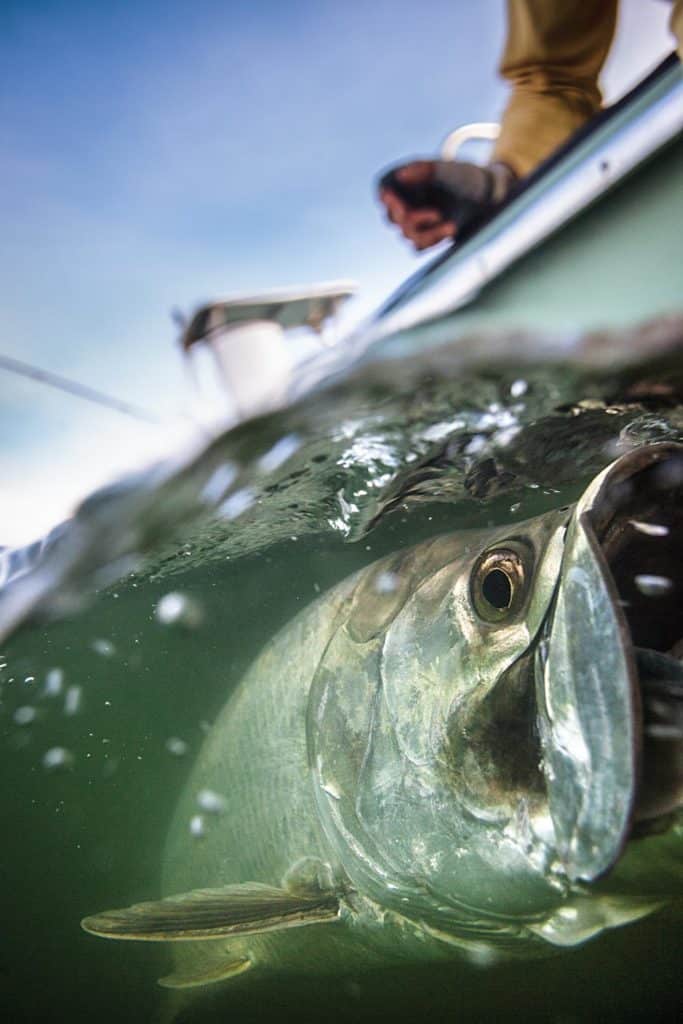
x: 477, y: 729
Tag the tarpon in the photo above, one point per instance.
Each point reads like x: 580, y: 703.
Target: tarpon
x: 471, y: 746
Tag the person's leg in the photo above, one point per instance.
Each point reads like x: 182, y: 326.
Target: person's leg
x: 552, y: 58
x: 676, y: 25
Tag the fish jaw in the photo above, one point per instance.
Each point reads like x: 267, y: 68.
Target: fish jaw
x: 588, y: 684
x: 587, y: 714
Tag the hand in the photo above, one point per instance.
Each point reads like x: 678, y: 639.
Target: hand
x: 423, y: 225
x: 431, y: 200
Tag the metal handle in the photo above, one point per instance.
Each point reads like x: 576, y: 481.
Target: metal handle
x: 486, y: 130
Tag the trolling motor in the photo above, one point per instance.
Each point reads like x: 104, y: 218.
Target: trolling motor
x: 247, y: 339
x: 246, y: 335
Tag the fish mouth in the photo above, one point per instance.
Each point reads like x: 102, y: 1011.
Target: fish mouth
x: 638, y: 521
x: 609, y: 675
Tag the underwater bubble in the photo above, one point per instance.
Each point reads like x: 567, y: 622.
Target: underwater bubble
x: 237, y: 503
x: 615, y: 447
x: 518, y: 388
x: 29, y: 680
x: 54, y: 680
x: 482, y: 955
x: 386, y: 582
x: 211, y: 802
x: 57, y: 759
x: 340, y: 525
x: 176, y: 746
x: 662, y: 731
x: 72, y: 700
x: 503, y: 437
x: 218, y: 483
x: 178, y: 609
x: 24, y: 715
x: 651, y: 529
x: 440, y: 431
x: 653, y: 586
x: 103, y: 647
x: 476, y: 445
x: 279, y: 453
x: 197, y: 828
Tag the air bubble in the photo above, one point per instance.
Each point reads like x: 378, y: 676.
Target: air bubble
x: 662, y: 731
x: 197, y: 828
x: 237, y: 503
x: 386, y: 582
x: 653, y: 586
x: 54, y: 681
x: 177, y: 609
x: 651, y: 529
x: 482, y: 955
x: 57, y: 759
x: 503, y: 437
x: 103, y: 647
x: 211, y: 802
x: 72, y: 700
x: 176, y: 746
x: 279, y: 453
x: 476, y: 445
x: 219, y: 482
x: 24, y: 715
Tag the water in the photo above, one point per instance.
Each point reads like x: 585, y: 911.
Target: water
x: 126, y: 630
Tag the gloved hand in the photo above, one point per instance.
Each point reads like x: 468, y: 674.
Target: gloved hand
x: 430, y: 200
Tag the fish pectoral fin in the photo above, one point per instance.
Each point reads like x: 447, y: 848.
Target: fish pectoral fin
x: 213, y: 913
x: 193, y: 979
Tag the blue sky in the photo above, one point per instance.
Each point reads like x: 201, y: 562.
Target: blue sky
x: 161, y: 154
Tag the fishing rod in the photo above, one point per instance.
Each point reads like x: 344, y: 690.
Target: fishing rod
x: 71, y: 387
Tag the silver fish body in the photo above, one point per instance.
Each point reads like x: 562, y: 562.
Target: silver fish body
x: 452, y: 745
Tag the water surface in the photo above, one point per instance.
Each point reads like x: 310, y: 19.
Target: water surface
x: 105, y: 704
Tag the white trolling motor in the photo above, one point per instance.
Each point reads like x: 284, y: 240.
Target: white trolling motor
x: 247, y: 339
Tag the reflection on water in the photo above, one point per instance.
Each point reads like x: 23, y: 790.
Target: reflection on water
x: 196, y: 565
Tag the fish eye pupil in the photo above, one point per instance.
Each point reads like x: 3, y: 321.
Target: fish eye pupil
x: 498, y: 584
x: 497, y: 589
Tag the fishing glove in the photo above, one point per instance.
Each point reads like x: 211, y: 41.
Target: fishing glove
x: 461, y: 192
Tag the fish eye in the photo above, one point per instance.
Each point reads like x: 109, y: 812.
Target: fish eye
x: 498, y: 584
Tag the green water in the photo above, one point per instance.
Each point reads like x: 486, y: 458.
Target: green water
x: 375, y: 464
x: 91, y: 837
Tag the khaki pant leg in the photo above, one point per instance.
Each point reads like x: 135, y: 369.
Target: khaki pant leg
x: 554, y: 52
x: 676, y: 26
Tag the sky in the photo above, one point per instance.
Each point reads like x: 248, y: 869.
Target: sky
x: 156, y: 155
